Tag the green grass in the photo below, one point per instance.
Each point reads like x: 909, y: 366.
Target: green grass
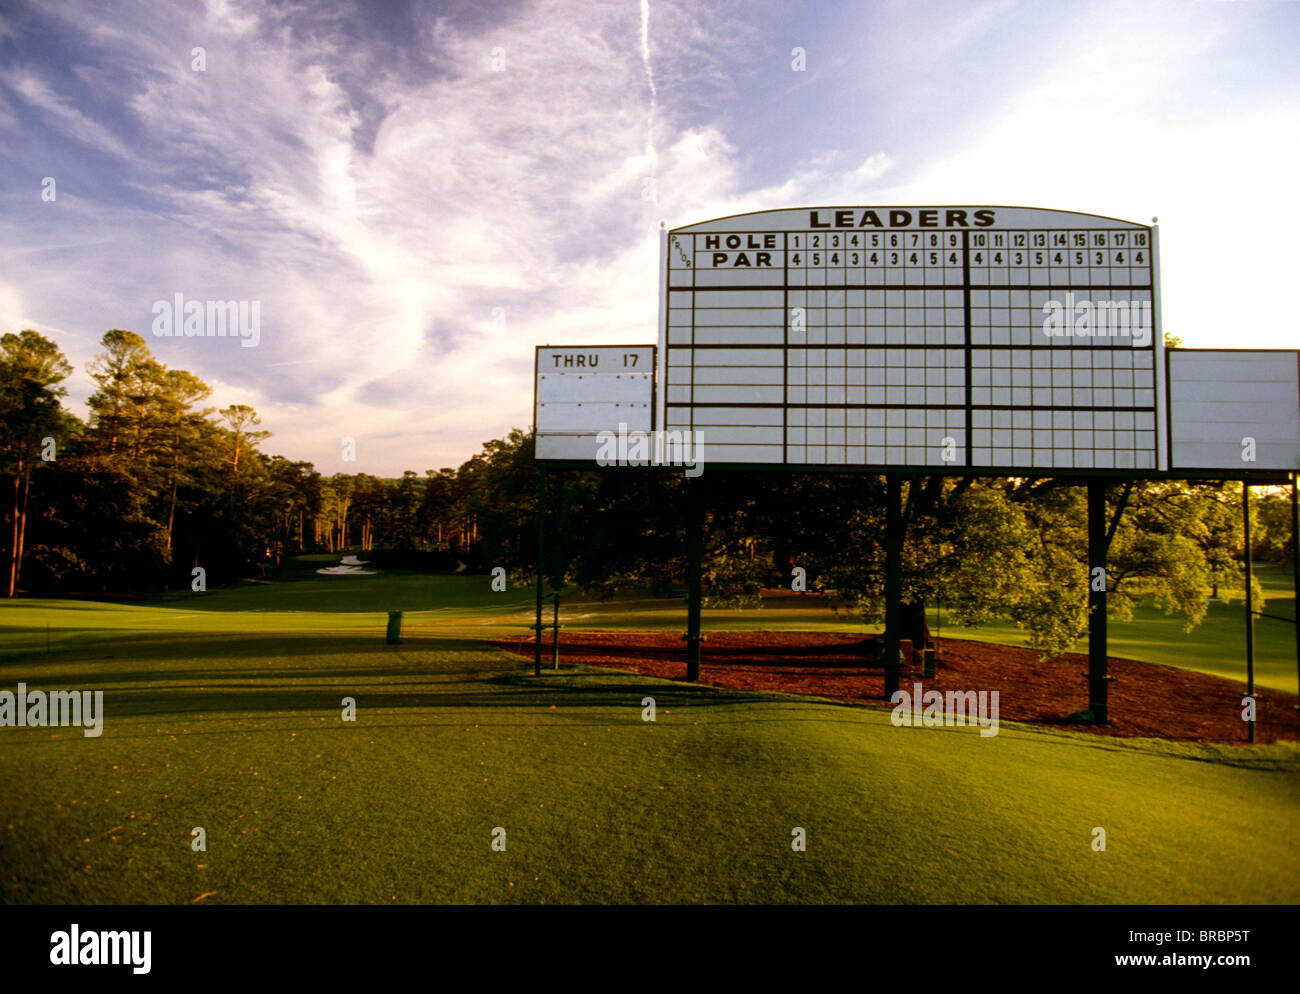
x: 243, y: 736
x: 223, y: 711
x: 466, y: 606
x: 1217, y: 646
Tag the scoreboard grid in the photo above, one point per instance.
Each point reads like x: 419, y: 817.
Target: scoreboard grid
x: 888, y: 348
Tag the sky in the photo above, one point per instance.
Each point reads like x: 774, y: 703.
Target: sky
x: 415, y: 195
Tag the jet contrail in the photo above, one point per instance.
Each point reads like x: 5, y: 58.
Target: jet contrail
x: 650, y: 79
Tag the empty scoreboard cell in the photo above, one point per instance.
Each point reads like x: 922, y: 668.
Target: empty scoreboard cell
x: 752, y: 357
x: 701, y: 299
x: 796, y: 394
x: 713, y: 317
x: 679, y: 336
x: 739, y: 336
x: 721, y: 416
x: 743, y: 434
x: 749, y: 393
x: 1022, y: 438
x: 1144, y: 460
x: 725, y: 453
x: 742, y: 375
x: 1124, y: 459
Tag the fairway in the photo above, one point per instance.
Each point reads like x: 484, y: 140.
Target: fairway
x: 303, y: 602
x: 230, y: 720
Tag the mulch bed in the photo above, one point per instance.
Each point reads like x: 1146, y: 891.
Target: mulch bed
x: 1145, y: 699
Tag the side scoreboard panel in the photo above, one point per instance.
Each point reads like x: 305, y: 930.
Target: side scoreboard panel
x: 583, y: 390
x: 943, y: 337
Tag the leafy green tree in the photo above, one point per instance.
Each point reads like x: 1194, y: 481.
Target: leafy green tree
x: 31, y: 420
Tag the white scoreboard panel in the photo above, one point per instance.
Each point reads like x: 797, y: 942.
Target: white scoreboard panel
x: 943, y: 337
x: 1234, y: 409
x: 582, y: 390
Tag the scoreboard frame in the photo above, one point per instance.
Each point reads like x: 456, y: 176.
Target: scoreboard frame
x: 677, y: 254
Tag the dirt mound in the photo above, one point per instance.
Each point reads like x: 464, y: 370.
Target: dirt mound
x: 1145, y: 699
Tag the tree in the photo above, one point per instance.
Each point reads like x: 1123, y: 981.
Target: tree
x: 31, y: 371
x: 238, y: 418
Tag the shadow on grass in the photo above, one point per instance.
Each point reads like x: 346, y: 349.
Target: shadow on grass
x: 421, y: 674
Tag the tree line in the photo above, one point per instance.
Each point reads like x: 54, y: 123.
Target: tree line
x: 154, y: 484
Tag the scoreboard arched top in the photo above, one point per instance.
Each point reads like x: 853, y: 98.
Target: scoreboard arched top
x: 902, y: 218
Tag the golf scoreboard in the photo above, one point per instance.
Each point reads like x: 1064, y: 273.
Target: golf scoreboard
x: 941, y: 337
